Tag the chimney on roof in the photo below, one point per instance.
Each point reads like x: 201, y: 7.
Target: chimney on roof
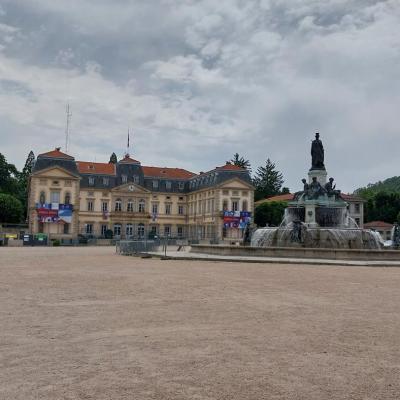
x: 58, y: 148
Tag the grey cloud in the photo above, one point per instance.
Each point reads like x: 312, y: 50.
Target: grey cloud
x: 200, y: 80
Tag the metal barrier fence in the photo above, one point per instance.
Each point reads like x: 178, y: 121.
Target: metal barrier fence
x: 132, y: 247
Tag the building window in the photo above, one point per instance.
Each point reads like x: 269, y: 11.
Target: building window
x: 68, y: 183
x: 153, y: 230
x: 90, y: 205
x: 89, y: 229
x: 180, y: 210
x: 357, y: 208
x: 225, y: 205
x: 244, y: 206
x: 167, y: 230
x: 124, y: 178
x: 181, y: 185
x: 142, y: 205
x: 103, y: 230
x: 106, y: 181
x: 140, y: 230
x: 66, y: 229
x: 117, y: 229
x: 129, y: 207
x: 104, y: 206
x: 118, y: 205
x: 225, y: 192
x: 129, y: 230
x: 168, y: 209
x: 168, y: 185
x: 155, y: 184
x: 91, y: 181
x: 136, y: 179
x: 54, y: 197
x: 42, y: 198
x: 180, y: 231
x: 154, y: 208
x: 235, y: 205
x: 56, y: 183
x: 67, y: 199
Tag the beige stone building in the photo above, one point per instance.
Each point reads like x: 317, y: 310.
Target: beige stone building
x: 68, y: 198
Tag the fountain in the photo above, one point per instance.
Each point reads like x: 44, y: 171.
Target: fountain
x: 318, y: 216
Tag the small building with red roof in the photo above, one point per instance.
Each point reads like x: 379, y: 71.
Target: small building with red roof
x: 384, y: 228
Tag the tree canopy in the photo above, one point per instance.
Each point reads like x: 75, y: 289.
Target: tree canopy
x: 269, y: 213
x: 11, y: 209
x: 240, y: 162
x: 267, y: 181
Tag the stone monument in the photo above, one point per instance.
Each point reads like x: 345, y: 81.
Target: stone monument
x: 317, y: 216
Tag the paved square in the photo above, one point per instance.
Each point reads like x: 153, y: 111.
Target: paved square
x: 85, y: 323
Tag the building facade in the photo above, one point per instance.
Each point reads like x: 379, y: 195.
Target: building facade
x: 68, y: 198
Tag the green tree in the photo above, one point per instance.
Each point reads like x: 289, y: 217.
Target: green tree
x: 267, y: 181
x: 23, y: 179
x: 113, y: 158
x: 11, y: 209
x: 240, y: 162
x: 382, y: 206
x: 8, y: 176
x: 270, y: 213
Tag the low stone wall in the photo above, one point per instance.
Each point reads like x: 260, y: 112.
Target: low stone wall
x: 290, y: 252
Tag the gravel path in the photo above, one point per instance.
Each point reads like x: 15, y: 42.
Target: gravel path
x: 85, y: 323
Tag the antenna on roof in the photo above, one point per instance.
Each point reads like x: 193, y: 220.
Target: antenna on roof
x: 69, y: 115
x: 127, y: 145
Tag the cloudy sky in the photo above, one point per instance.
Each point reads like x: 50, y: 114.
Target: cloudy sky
x: 197, y: 81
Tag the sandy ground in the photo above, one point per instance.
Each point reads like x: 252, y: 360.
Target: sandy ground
x: 85, y: 323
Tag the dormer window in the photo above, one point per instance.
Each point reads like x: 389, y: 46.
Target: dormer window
x: 91, y: 167
x: 91, y: 181
x: 124, y: 178
x: 105, y: 181
x: 155, y: 184
x: 181, y: 185
x: 136, y: 179
x: 168, y: 185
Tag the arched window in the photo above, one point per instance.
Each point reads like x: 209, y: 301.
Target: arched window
x: 118, y: 205
x: 244, y: 206
x: 67, y: 199
x: 42, y: 198
x: 129, y: 206
x: 142, y: 205
x: 140, y: 230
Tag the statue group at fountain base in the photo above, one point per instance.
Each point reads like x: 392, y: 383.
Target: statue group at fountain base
x: 315, y: 190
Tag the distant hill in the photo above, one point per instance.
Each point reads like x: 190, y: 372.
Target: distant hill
x: 391, y: 185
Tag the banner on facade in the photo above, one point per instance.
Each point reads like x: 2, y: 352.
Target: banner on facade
x: 54, y: 212
x: 236, y: 219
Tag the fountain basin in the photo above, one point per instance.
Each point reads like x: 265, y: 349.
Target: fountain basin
x: 298, y: 253
x: 327, y: 238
